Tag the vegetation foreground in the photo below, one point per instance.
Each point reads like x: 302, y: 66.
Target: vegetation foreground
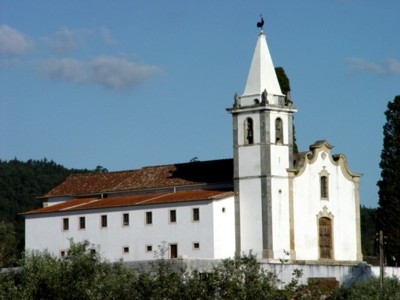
x: 85, y: 275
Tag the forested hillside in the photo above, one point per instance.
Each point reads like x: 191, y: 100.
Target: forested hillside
x: 20, y: 185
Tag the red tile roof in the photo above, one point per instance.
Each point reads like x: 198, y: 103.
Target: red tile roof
x: 147, y: 199
x: 146, y: 178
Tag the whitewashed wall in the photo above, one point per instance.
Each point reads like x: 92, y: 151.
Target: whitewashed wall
x: 45, y: 231
x: 308, y: 204
x: 280, y: 218
x: 251, y: 217
x: 224, y: 228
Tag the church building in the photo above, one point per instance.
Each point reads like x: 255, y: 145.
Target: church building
x: 266, y: 199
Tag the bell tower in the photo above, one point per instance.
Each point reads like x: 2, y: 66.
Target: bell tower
x: 262, y: 151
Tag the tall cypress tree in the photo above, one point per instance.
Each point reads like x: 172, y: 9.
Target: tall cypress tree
x: 389, y: 185
x: 284, y: 83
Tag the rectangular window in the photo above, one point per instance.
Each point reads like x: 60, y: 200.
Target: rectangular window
x: 126, y: 250
x: 125, y: 219
x: 196, y: 245
x: 149, y: 217
x: 82, y: 223
x: 149, y: 248
x: 104, y: 221
x: 324, y: 187
x: 172, y: 216
x: 65, y: 224
x: 196, y: 214
x: 173, y: 251
x: 62, y: 253
x: 325, y: 238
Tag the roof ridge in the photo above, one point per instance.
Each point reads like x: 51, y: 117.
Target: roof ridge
x: 223, y: 195
x: 133, y: 200
x: 185, y: 163
x: 79, y: 204
x: 151, y: 199
x: 105, y: 173
x: 162, y: 176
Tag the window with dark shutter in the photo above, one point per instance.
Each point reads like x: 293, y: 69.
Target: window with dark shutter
x: 196, y: 214
x: 149, y: 218
x: 125, y: 219
x: 104, y: 221
x: 324, y: 187
x: 325, y: 238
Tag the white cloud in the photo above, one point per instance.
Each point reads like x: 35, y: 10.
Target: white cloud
x: 107, y: 38
x: 64, y: 69
x: 13, y: 42
x: 390, y: 66
x: 66, y: 40
x: 113, y: 72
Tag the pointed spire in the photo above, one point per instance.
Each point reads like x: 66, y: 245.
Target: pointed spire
x: 262, y: 74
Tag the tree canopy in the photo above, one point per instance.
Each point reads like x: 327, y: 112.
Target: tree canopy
x: 20, y: 185
x: 368, y: 230
x: 389, y: 185
x: 284, y: 83
x: 283, y: 80
x: 83, y: 274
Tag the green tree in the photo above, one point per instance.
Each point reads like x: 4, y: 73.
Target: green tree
x: 8, y: 244
x: 284, y: 83
x: 389, y: 185
x: 243, y: 278
x: 100, y: 169
x: 80, y: 275
x: 84, y: 275
x: 369, y: 289
x: 283, y: 80
x: 20, y: 185
x: 368, y: 230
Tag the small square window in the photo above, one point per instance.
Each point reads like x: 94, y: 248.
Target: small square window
x: 196, y: 214
x: 104, y: 221
x: 82, y: 223
x: 149, y: 248
x: 126, y: 249
x: 196, y: 245
x: 65, y: 253
x: 125, y: 219
x: 149, y: 217
x: 172, y: 216
x: 65, y: 224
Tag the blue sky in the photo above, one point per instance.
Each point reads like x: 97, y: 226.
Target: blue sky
x: 126, y: 84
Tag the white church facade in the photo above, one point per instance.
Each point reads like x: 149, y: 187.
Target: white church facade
x: 266, y: 199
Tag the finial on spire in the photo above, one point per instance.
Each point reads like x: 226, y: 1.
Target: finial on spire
x: 261, y: 23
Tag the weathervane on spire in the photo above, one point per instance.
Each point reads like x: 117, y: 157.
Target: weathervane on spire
x: 261, y: 23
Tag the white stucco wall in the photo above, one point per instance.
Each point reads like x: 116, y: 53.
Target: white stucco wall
x: 249, y: 164
x: 279, y: 160
x: 44, y: 231
x: 55, y: 200
x: 308, y: 204
x: 251, y: 216
x: 224, y: 228
x: 280, y: 217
